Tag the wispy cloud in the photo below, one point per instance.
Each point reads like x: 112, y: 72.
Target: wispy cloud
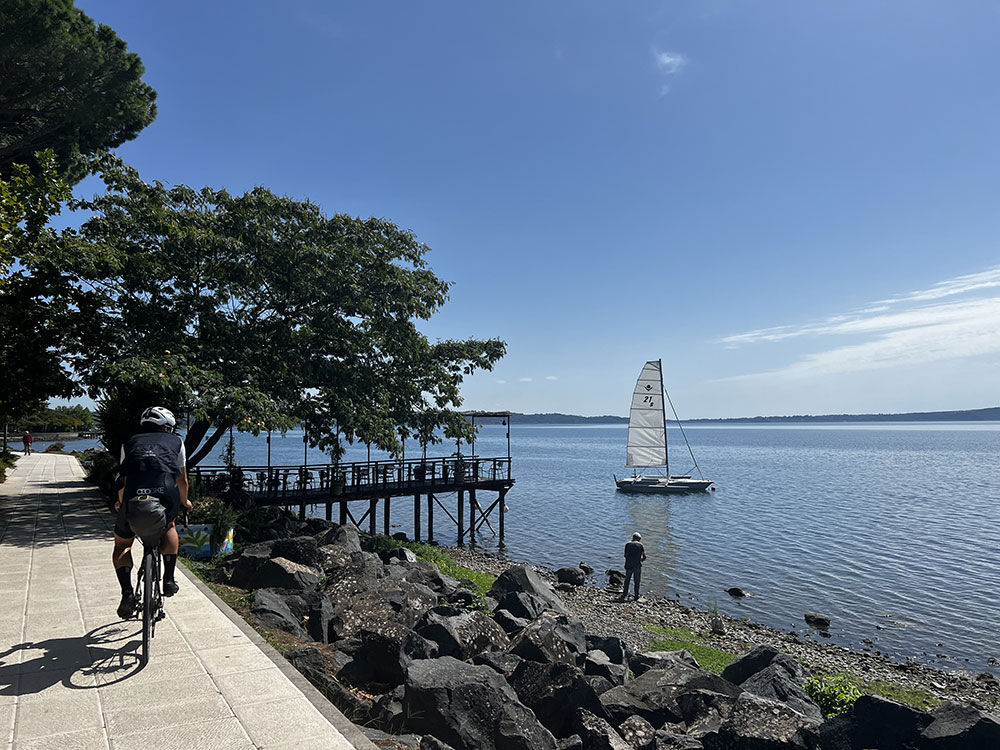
x: 526, y: 380
x: 502, y: 382
x: 668, y: 64
x: 551, y: 377
x: 904, y: 330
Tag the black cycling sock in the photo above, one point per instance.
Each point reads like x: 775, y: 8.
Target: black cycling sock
x: 169, y: 563
x: 124, y: 579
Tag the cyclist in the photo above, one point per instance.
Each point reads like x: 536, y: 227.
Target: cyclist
x: 154, y: 486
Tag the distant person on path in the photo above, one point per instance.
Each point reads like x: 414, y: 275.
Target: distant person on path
x: 26, y: 441
x: 635, y: 554
x: 154, y: 486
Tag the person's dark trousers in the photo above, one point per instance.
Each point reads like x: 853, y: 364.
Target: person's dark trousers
x: 634, y: 574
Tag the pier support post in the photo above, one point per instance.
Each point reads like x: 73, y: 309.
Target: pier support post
x: 461, y: 518
x: 302, y: 512
x: 329, y: 511
x: 385, y: 516
x: 502, y: 505
x: 472, y: 517
x: 416, y: 518
x: 430, y: 517
x: 372, y: 510
x: 343, y: 511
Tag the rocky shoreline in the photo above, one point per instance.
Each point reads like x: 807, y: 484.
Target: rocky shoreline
x: 422, y: 660
x: 602, y: 614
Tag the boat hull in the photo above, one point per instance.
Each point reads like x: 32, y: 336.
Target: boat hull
x: 659, y: 485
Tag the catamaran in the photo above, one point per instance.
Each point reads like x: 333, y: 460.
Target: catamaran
x: 647, y: 439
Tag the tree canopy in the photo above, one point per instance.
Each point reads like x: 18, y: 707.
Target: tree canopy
x: 66, y: 84
x: 258, y: 311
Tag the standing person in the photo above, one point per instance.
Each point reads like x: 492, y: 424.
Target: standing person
x: 154, y: 487
x: 635, y: 554
x: 26, y: 441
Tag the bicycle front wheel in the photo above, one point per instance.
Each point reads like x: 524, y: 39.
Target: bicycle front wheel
x: 147, y: 605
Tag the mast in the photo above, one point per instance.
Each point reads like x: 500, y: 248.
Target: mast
x: 663, y: 411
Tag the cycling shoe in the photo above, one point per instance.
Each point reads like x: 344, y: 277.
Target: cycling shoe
x: 170, y: 588
x: 127, y: 606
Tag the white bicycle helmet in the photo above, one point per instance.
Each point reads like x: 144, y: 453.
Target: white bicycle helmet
x: 158, y: 415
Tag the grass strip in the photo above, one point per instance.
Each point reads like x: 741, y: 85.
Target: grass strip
x: 709, y: 658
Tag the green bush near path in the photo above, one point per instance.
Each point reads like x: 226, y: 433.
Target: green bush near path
x: 674, y: 639
x: 7, y: 459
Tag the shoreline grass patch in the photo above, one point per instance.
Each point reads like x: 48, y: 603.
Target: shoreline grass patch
x: 708, y: 657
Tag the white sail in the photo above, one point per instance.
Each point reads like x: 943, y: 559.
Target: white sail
x: 647, y: 438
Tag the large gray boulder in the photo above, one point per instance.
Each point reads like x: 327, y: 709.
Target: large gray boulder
x: 611, y: 645
x: 776, y: 683
x: 424, y: 573
x: 958, y: 727
x: 501, y: 662
x: 470, y: 707
x: 523, y: 605
x: 362, y: 573
x: 571, y: 575
x: 638, y: 733
x: 381, y: 661
x: 251, y: 559
x: 551, y: 638
x: 280, y: 573
x: 462, y: 635
x: 874, y: 722
x: 409, y: 600
x: 521, y: 578
x: 271, y: 610
x: 300, y: 549
x: 597, y: 663
x: 346, y: 537
x: 653, y: 695
x: 758, y: 659
x: 756, y: 723
x: 642, y: 663
x: 596, y: 733
x: 554, y: 692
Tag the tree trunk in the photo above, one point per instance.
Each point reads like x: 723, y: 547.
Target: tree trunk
x: 209, y: 444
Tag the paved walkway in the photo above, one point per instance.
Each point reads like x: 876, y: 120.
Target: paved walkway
x: 69, y: 672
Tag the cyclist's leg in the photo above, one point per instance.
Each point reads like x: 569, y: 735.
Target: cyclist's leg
x: 122, y: 559
x: 170, y: 543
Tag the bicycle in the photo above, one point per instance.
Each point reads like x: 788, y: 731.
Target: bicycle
x: 148, y: 595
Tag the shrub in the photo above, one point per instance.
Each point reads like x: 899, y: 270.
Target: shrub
x: 834, y: 694
x: 55, y: 447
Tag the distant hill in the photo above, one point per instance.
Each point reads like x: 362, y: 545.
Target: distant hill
x: 555, y: 419
x: 968, y: 415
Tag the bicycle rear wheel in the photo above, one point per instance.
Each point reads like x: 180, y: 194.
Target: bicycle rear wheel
x: 147, y: 605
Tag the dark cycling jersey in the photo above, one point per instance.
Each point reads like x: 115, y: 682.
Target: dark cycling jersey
x: 150, y: 466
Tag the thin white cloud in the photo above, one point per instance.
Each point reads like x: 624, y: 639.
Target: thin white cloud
x: 668, y: 64
x: 502, y: 382
x: 526, y: 380
x: 914, y: 334
x: 551, y: 377
x: 959, y: 285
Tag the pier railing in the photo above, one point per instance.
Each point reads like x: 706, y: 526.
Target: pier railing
x: 360, y: 479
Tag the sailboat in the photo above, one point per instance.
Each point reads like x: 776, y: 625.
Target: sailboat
x: 647, y: 439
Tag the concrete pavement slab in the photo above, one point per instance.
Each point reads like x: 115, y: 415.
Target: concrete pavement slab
x: 67, y: 712
x: 88, y: 739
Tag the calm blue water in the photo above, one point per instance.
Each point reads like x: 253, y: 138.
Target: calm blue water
x: 895, y: 526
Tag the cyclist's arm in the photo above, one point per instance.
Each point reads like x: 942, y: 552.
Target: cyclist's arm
x: 182, y: 486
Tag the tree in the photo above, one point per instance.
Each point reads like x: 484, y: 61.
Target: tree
x: 260, y: 312
x: 66, y: 84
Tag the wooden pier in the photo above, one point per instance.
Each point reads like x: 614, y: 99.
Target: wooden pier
x: 367, y: 483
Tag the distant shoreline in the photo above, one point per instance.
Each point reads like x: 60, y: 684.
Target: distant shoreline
x: 990, y: 414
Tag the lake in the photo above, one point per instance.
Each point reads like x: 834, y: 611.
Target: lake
x: 891, y: 530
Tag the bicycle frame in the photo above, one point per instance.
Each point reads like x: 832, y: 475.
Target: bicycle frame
x: 149, y: 597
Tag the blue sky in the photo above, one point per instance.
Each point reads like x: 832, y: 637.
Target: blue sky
x: 793, y: 204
